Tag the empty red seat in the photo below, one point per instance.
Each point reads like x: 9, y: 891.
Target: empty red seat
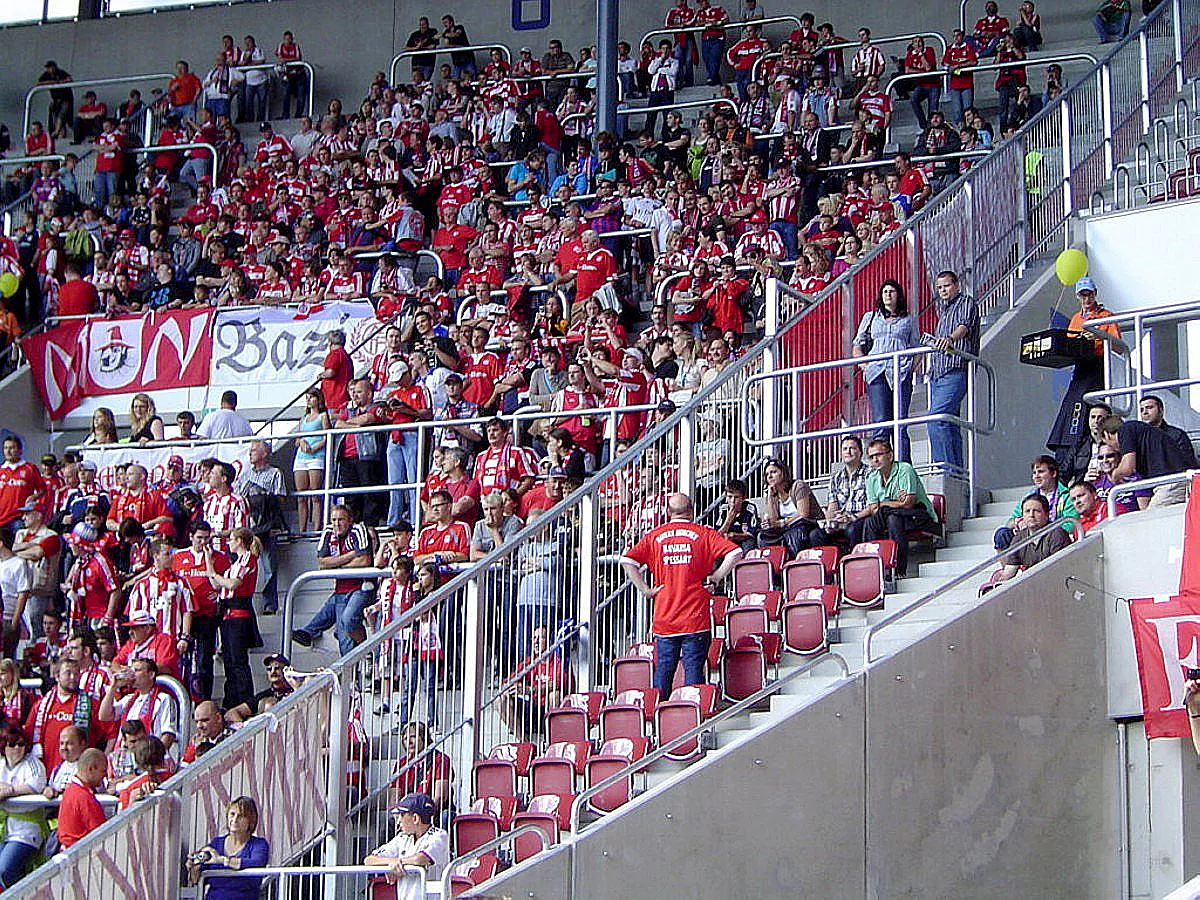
x: 644, y: 699
x: 574, y: 752
x: 632, y: 749
x: 803, y: 573
x: 775, y: 555
x: 743, y: 620
x: 557, y: 805
x: 828, y: 596
x: 771, y: 601
x: 703, y: 695
x: 627, y: 719
x: 717, y: 607
x: 527, y: 845
x: 494, y: 778
x: 825, y: 554
x: 885, y: 549
x: 753, y: 576
x: 519, y: 754
x: 552, y: 775
x: 502, y: 808
x: 473, y: 872
x: 743, y: 672
x: 676, y: 717
x: 473, y: 830
x: 613, y: 796
x: 769, y: 642
x: 716, y: 649
x: 567, y: 723
x: 589, y: 701
x: 863, y: 578
x: 805, y: 628
x: 632, y: 673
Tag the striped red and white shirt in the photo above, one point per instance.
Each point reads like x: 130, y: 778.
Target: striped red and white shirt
x: 167, y: 597
x: 224, y: 514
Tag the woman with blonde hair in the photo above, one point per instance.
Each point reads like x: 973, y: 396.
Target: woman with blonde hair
x: 309, y: 465
x: 145, y: 424
x: 239, y: 627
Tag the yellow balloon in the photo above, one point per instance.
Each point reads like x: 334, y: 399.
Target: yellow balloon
x: 8, y: 284
x: 1070, y: 266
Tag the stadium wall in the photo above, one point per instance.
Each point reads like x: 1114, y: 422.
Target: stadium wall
x: 349, y: 42
x: 990, y: 770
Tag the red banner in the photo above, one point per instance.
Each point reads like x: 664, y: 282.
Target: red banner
x: 119, y: 356
x: 1166, y: 635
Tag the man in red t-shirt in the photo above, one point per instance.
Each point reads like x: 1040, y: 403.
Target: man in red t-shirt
x: 594, y: 267
x: 681, y: 556
x: 444, y: 540
x: 21, y: 484
x: 65, y: 705
x: 77, y: 297
x: 79, y: 812
x: 337, y: 373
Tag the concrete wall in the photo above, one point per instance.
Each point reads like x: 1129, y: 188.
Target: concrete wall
x: 348, y: 48
x: 990, y: 771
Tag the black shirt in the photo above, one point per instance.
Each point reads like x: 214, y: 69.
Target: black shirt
x: 1157, y: 453
x: 1180, y: 437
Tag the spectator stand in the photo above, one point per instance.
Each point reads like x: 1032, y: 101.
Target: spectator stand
x: 295, y: 877
x: 394, y: 65
x: 147, y: 127
x: 793, y: 21
x: 903, y: 39
x: 666, y: 107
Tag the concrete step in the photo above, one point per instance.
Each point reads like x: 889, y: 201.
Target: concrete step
x: 976, y: 538
x: 986, y: 523
x: 1001, y: 508
x: 946, y: 569
x: 976, y: 552
x: 1010, y: 495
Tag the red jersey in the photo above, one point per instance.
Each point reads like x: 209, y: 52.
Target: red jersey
x: 143, y: 506
x: 680, y: 556
x: 453, y: 538
x: 498, y: 468
x: 583, y: 428
x: 744, y: 54
x: 158, y: 647
x: 90, y: 583
x: 225, y: 514
x: 480, y: 375
x: 190, y: 566
x: 79, y: 813
x: 19, y: 482
x: 593, y: 269
x: 167, y: 597
x: 955, y: 57
x: 52, y: 714
x: 336, y: 390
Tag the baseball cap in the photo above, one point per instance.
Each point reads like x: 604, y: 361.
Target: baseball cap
x: 277, y: 658
x: 175, y: 462
x: 557, y: 472
x: 758, y: 216
x: 667, y: 406
x: 524, y: 50
x: 420, y: 804
x: 265, y: 126
x: 455, y: 376
x: 229, y: 262
x: 1085, y: 284
x: 140, y: 618
x: 89, y: 464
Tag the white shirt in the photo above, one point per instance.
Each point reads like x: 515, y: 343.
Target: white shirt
x: 224, y: 423
x: 434, y: 843
x: 16, y: 577
x: 29, y: 771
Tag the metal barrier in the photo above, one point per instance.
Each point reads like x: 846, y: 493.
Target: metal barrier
x: 1133, y: 487
x: 936, y: 37
x: 483, y: 849
x: 147, y: 120
x: 183, y: 706
x: 960, y: 579
x: 273, y: 68
x: 305, y: 578
x: 444, y: 51
x: 728, y: 26
x: 666, y: 107
x: 271, y: 872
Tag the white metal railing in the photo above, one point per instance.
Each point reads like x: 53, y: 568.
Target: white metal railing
x: 444, y: 51
x: 727, y: 26
x: 1134, y: 487
x: 936, y: 37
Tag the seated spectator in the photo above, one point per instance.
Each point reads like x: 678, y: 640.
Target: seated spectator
x: 15, y: 701
x: 1111, y: 20
x: 443, y: 540
x: 1148, y: 452
x: 1150, y: 411
x: 542, y: 684
x: 72, y: 741
x: 1047, y: 483
x: 419, y: 843
x: 278, y: 687
x: 21, y: 773
x: 737, y: 517
x: 792, y: 513
x: 1092, y: 510
x: 1035, y: 514
x: 154, y: 767
x: 896, y: 503
x: 345, y: 544
x: 427, y: 773
x: 210, y: 729
x: 141, y: 698
x: 147, y: 642
x: 1081, y: 459
x: 80, y: 813
x: 237, y: 848
x: 847, y: 486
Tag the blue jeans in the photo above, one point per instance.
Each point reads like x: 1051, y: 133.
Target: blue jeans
x: 402, y: 469
x: 787, y: 231
x: 712, y: 50
x: 252, y: 102
x: 693, y: 648
x: 218, y: 107
x: 192, y: 171
x: 683, y: 53
x: 742, y: 78
x: 554, y: 160
x: 961, y: 100
x: 344, y: 613
x: 1111, y: 31
x: 104, y: 186
x: 269, y: 562
x: 14, y: 859
x: 880, y: 395
x: 418, y: 670
x: 920, y: 94
x: 946, y: 394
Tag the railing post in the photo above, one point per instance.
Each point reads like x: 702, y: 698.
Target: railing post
x: 1177, y: 43
x: 972, y: 418
x: 1106, y: 114
x: 335, y: 778
x: 686, y: 431
x: 472, y: 681
x: 589, y: 537
x: 849, y: 327
x: 1144, y: 72
x: 770, y: 363
x: 968, y: 189
x: 1068, y: 204
x: 1023, y: 223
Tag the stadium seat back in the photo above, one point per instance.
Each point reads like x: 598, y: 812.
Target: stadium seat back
x: 775, y: 555
x: 743, y: 672
x: 805, y: 628
x: 632, y: 673
x: 473, y: 830
x: 803, y: 573
x: 527, y: 845
x: 557, y: 805
x: 743, y: 620
x: 703, y: 695
x: 495, y: 778
x: 519, y: 754
x: 771, y: 601
x: 503, y: 808
x: 613, y: 796
x: 676, y: 717
x: 863, y: 580
x: 550, y: 775
x: 752, y: 576
x: 626, y: 720
x: 566, y: 724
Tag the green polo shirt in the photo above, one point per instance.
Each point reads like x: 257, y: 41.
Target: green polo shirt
x: 902, y: 479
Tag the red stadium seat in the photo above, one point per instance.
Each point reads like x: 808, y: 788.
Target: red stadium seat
x: 826, y: 555
x: 475, y: 872
x: 590, y: 702
x: 743, y: 672
x: 863, y: 579
x: 775, y: 555
x: 502, y: 808
x: 716, y: 649
x: 632, y: 673
x: 600, y: 768
x: 804, y: 628
x: 703, y: 695
x: 803, y: 573
x: 717, y: 606
x: 743, y: 620
x: 557, y: 805
x: 769, y: 642
x: 828, y: 596
x: 771, y: 601
x: 645, y: 649
x: 646, y: 699
x: 885, y: 549
x: 574, y: 752
x: 676, y: 717
x: 632, y: 749
x: 494, y: 778
x: 552, y: 775
x: 519, y: 754
x: 567, y: 724
x: 753, y: 576
x: 527, y: 845
x: 473, y: 830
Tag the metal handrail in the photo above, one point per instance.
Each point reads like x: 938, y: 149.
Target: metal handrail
x: 755, y: 70
x: 1132, y: 487
x: 663, y: 749
x: 300, y: 871
x: 95, y: 82
x: 304, y: 578
x: 183, y: 704
x: 293, y: 64
x: 666, y: 107
x: 486, y: 848
x: 990, y: 67
x: 445, y: 51
x: 167, y: 148
x: 926, y: 158
x: 727, y: 26
x: 7, y: 161
x: 961, y: 578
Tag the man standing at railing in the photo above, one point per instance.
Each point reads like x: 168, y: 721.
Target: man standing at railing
x: 681, y: 556
x: 419, y: 843
x: 1149, y: 453
x: 868, y: 60
x: 958, y: 58
x: 957, y: 330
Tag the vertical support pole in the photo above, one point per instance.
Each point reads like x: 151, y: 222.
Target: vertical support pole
x: 1068, y: 203
x: 472, y: 684
x: 687, y: 452
x: 589, y: 540
x: 849, y: 326
x: 335, y: 779
x: 972, y: 422
x: 1106, y: 113
x: 770, y: 363
x: 968, y: 188
x: 1144, y: 72
x: 1177, y: 43
x: 607, y: 13
x: 1023, y: 223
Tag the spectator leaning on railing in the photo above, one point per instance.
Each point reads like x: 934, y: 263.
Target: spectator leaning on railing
x: 1147, y: 452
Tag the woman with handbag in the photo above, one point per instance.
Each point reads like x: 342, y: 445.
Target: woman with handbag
x: 885, y: 329
x: 792, y: 511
